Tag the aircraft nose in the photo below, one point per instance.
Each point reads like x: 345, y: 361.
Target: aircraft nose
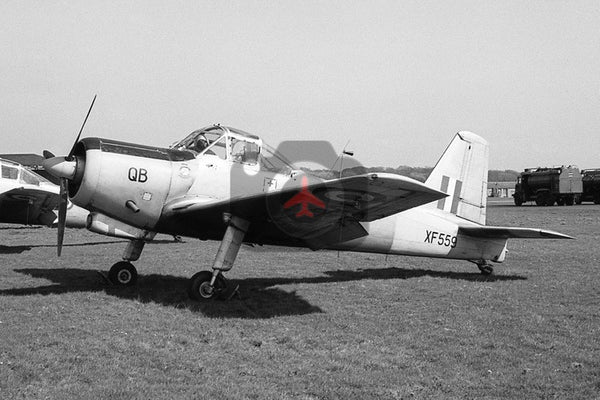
x: 60, y: 167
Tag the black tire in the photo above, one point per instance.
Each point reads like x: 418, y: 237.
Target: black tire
x: 199, y: 286
x: 518, y: 200
x: 544, y: 198
x: 570, y: 200
x: 123, y: 273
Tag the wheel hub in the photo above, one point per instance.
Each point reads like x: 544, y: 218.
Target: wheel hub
x: 206, y: 290
x: 124, y: 276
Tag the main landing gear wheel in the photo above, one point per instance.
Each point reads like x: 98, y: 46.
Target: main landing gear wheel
x: 199, y: 287
x: 123, y: 273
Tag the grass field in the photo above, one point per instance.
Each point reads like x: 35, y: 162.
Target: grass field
x: 308, y: 325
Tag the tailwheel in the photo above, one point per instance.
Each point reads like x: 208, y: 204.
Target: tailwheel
x: 123, y: 273
x: 199, y: 287
x: 486, y: 269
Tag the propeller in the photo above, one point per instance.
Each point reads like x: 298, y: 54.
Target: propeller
x: 70, y: 156
x: 65, y: 169
x: 62, y: 214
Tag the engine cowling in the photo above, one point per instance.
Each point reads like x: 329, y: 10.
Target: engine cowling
x: 128, y: 182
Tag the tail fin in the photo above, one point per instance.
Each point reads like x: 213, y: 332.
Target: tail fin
x: 462, y: 173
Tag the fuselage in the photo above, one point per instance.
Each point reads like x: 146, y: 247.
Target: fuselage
x: 428, y: 232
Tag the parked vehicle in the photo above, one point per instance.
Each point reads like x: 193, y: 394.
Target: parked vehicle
x: 549, y: 186
x: 591, y: 185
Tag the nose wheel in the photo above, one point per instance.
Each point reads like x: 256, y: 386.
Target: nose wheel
x: 123, y: 273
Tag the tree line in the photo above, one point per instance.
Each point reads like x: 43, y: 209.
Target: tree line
x: 417, y: 173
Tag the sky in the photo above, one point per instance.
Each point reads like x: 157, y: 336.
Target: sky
x: 390, y: 80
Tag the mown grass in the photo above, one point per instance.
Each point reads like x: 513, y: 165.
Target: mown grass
x: 307, y: 325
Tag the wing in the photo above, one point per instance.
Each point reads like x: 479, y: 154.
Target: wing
x: 374, y: 196
x: 348, y: 201
x: 511, y: 232
x: 28, y: 206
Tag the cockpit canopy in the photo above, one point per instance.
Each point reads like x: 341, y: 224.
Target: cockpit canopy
x: 14, y: 171
x: 234, y: 145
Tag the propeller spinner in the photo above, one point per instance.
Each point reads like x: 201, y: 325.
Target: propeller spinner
x: 64, y: 168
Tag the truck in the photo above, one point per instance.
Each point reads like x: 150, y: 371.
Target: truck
x: 548, y: 186
x: 591, y: 185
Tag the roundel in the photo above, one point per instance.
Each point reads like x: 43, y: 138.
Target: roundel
x: 349, y: 196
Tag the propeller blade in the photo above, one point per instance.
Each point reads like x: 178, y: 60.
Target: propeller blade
x: 81, y: 130
x: 65, y: 169
x: 62, y: 213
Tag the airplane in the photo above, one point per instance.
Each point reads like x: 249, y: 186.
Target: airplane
x: 29, y: 199
x: 235, y: 188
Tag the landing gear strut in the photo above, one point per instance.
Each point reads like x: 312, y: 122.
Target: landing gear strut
x: 207, y: 285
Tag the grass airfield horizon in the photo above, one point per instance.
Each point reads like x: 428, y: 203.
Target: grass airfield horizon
x: 307, y: 325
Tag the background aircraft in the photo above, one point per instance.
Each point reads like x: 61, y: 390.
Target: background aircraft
x: 29, y: 199
x: 235, y: 190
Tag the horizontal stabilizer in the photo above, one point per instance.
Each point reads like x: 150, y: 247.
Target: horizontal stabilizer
x: 504, y: 232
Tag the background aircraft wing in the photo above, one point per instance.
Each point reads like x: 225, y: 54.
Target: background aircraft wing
x: 348, y: 201
x: 511, y: 232
x: 28, y: 206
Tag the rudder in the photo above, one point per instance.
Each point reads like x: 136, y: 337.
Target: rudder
x: 462, y: 173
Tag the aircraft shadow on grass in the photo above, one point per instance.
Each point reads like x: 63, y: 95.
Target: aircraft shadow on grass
x: 14, y: 249
x: 16, y: 228
x: 259, y: 297
x: 23, y: 248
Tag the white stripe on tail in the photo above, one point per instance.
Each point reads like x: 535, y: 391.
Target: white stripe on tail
x: 462, y: 173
